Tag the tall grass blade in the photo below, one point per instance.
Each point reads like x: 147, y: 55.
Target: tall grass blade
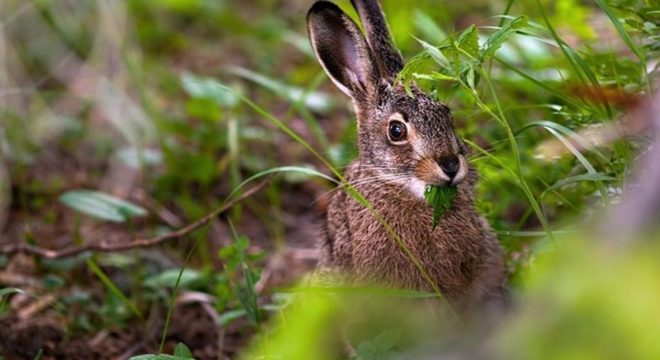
x: 91, y: 264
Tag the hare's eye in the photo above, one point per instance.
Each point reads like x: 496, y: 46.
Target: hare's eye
x: 397, y: 131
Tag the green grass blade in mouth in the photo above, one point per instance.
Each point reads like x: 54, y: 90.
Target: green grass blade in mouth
x: 441, y: 199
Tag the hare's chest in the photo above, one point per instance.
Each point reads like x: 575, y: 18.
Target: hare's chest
x: 391, y: 253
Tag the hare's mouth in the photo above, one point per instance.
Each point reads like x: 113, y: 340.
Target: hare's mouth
x: 440, y: 172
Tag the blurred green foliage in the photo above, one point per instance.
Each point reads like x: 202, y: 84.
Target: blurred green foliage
x: 587, y: 301
x: 517, y: 74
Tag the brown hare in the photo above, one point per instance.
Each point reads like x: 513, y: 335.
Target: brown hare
x: 405, y: 143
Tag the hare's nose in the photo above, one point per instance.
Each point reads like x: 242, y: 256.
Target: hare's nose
x: 449, y: 164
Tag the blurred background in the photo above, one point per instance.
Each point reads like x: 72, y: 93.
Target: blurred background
x: 125, y: 120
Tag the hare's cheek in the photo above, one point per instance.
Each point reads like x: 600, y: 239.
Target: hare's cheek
x: 427, y: 171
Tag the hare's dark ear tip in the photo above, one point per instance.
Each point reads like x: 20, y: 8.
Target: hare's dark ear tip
x: 322, y: 6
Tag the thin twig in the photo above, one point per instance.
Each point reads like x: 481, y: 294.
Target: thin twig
x: 136, y: 243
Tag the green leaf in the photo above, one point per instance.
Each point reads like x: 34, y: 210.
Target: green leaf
x: 468, y: 41
x: 501, y: 35
x: 11, y: 290
x: 562, y: 133
x: 157, y: 357
x: 619, y: 28
x: 169, y: 277
x: 247, y: 297
x: 379, y: 347
x: 182, y: 351
x: 245, y: 292
x: 434, y: 76
x: 206, y: 88
x: 101, y: 206
x: 285, y: 169
x: 470, y: 77
x: 136, y: 158
x: 435, y: 54
x: 316, y: 100
x: 231, y: 315
x: 595, y: 177
x: 441, y: 199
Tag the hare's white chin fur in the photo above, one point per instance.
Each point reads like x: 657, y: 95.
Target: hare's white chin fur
x: 417, y: 187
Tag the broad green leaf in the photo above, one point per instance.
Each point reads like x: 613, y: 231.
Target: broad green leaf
x: 182, y: 351
x: 101, y: 206
x: 315, y: 100
x: 470, y: 77
x: 434, y: 76
x: 207, y: 88
x: 231, y: 315
x: 158, y: 357
x: 137, y: 158
x: 413, y: 66
x: 435, y: 54
x: 379, y: 347
x: 468, y: 41
x: 501, y: 35
x: 169, y: 277
x: 441, y: 199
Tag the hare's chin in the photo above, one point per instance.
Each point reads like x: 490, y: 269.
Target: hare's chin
x: 417, y: 187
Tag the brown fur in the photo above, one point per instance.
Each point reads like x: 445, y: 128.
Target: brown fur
x: 461, y: 254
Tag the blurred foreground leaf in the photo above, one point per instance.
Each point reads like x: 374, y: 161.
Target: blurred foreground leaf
x: 168, y: 278
x: 584, y: 300
x: 101, y: 206
x: 207, y: 88
x: 137, y: 158
x: 379, y: 347
x: 315, y: 100
x: 306, y: 321
x: 10, y: 290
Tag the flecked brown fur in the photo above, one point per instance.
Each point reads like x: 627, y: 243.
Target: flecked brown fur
x: 461, y: 255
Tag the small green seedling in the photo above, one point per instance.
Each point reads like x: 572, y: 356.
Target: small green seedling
x: 181, y: 352
x: 441, y: 199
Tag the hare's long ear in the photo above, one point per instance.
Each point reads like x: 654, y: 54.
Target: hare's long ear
x: 342, y: 50
x: 379, y: 38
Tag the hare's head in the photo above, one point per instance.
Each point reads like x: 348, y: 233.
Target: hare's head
x: 406, y: 139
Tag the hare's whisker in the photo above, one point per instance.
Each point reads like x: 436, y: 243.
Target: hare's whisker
x: 382, y: 179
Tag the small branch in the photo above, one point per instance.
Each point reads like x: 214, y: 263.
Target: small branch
x: 136, y: 243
